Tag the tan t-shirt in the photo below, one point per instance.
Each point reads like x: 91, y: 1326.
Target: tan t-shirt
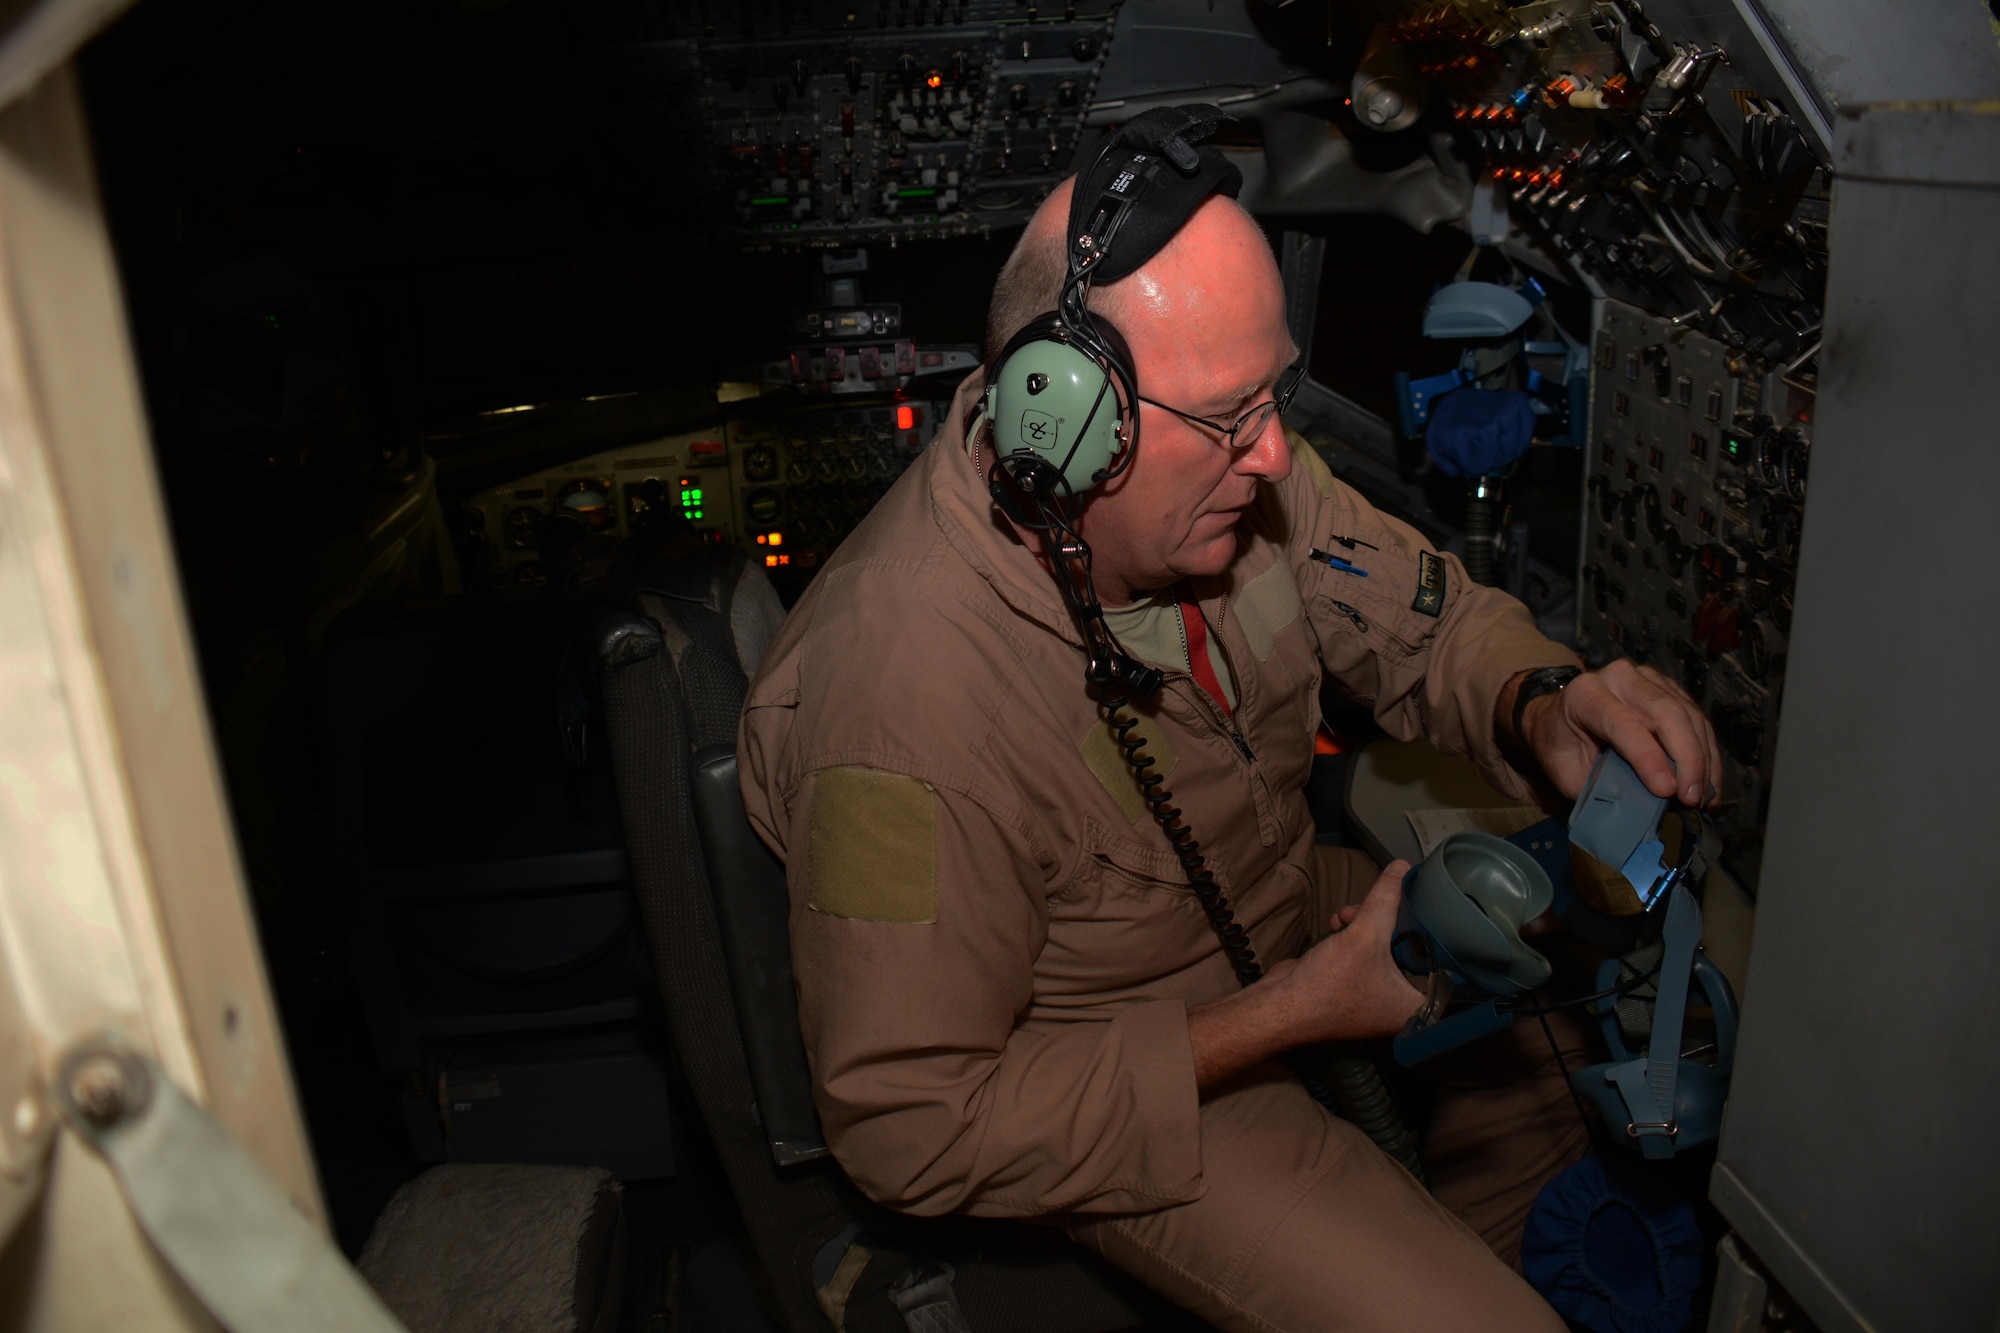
x: 1152, y: 632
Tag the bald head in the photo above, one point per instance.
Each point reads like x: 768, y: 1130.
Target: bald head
x: 1221, y: 250
x: 1030, y: 282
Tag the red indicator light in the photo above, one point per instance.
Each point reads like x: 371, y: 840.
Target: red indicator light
x: 906, y: 417
x: 933, y: 80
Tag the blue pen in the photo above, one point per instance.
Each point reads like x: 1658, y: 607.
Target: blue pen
x: 1339, y: 564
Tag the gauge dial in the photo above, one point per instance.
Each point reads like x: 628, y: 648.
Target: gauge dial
x: 588, y: 500
x: 1797, y: 455
x: 1754, y: 653
x: 1770, y: 458
x: 523, y: 527
x: 1788, y: 525
x: 1763, y: 523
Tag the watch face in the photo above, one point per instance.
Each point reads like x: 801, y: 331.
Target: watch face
x: 1548, y: 680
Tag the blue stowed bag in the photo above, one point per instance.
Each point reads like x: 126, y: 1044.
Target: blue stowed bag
x: 1479, y: 432
x: 1614, y: 1249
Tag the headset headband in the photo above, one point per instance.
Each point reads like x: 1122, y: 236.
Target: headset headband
x: 1153, y: 156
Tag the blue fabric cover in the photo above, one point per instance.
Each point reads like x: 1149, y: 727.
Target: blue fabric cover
x: 1613, y: 1249
x: 1479, y: 432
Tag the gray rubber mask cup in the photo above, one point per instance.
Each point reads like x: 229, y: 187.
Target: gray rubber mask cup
x: 1472, y: 896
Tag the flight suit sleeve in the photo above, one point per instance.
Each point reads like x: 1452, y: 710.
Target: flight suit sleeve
x: 917, y: 916
x: 1415, y: 638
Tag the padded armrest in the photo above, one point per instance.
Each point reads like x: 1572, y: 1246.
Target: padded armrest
x: 751, y: 910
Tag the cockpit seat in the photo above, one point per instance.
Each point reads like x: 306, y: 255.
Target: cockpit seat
x: 713, y: 906
x: 471, y: 1249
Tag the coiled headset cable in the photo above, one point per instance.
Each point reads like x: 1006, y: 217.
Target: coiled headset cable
x: 1349, y: 1086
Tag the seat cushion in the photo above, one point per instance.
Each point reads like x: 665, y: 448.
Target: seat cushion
x: 501, y: 1249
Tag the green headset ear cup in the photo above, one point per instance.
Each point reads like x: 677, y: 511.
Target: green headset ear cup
x: 1051, y: 400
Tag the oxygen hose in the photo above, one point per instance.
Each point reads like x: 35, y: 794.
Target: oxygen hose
x: 1356, y: 1092
x: 1482, y: 530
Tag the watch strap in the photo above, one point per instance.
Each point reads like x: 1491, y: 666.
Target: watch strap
x: 1546, y: 680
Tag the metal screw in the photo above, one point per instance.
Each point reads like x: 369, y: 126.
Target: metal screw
x: 98, y: 1089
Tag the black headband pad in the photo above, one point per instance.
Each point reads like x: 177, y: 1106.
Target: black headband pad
x: 1162, y: 144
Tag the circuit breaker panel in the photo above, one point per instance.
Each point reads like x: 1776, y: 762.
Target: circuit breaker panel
x: 1695, y: 501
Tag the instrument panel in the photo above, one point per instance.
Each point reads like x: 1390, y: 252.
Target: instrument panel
x: 1660, y: 155
x: 1695, y: 501
x: 787, y: 485
x: 837, y: 124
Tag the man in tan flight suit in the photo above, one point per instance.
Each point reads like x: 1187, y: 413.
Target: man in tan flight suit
x: 1013, y: 1004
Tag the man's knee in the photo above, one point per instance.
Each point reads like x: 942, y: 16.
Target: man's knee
x: 1307, y: 1225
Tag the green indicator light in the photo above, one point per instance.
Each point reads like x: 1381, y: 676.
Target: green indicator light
x: 918, y: 193
x: 696, y: 513
x: 770, y: 199
x: 697, y: 495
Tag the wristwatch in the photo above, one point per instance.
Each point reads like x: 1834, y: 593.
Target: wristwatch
x: 1548, y: 680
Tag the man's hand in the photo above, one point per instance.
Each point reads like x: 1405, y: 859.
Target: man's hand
x: 1638, y: 712
x: 1345, y: 988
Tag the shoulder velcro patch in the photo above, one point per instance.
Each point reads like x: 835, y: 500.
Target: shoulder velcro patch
x: 873, y: 855
x: 1430, y: 585
x: 1309, y: 458
x: 1103, y: 757
x: 1266, y: 605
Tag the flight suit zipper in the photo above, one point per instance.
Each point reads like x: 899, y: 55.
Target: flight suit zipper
x: 1225, y: 723
x: 1228, y: 662
x: 1360, y: 622
x: 1269, y: 828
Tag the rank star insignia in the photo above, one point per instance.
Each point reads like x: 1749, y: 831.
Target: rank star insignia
x: 1430, y: 585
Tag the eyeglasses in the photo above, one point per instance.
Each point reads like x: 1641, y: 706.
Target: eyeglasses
x: 1255, y: 421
